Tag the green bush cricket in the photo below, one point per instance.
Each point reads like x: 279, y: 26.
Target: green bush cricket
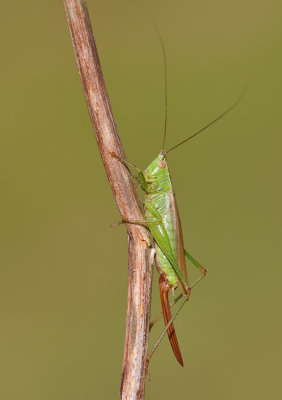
x: 162, y: 220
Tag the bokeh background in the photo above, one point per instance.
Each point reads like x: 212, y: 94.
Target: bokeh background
x: 63, y: 276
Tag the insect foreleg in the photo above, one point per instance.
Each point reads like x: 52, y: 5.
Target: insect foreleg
x: 140, y: 177
x: 125, y: 162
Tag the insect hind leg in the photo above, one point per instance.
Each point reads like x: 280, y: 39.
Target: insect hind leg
x: 185, y: 299
x: 202, y: 269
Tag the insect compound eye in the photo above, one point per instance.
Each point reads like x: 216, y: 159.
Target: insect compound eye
x: 162, y: 164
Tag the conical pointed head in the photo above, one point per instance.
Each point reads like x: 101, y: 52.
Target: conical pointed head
x: 157, y: 173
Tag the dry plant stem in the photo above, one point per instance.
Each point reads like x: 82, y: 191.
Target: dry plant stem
x: 139, y: 252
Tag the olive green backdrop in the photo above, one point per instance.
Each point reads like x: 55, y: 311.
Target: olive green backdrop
x: 63, y: 280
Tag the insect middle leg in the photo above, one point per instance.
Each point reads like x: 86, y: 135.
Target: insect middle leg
x: 136, y: 222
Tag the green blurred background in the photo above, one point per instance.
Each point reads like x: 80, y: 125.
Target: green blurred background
x: 63, y: 280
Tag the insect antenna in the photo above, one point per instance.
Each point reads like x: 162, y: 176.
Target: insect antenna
x: 210, y: 123
x: 165, y: 81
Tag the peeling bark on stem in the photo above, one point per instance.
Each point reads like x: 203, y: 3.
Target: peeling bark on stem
x: 139, y: 252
